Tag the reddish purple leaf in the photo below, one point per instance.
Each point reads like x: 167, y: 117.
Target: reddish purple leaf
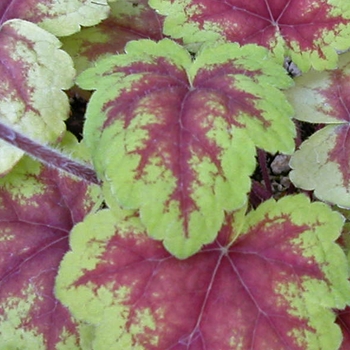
x: 127, y: 21
x: 271, y: 288
x: 308, y: 31
x: 173, y: 136
x: 39, y: 207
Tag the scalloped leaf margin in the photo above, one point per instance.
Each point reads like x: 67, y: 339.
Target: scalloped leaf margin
x: 176, y: 138
x: 269, y: 281
x: 309, y: 32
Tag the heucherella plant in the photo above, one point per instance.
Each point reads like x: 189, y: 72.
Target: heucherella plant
x: 204, y: 201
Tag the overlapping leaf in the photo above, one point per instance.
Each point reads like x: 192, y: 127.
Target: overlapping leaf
x: 323, y: 161
x: 38, y: 208
x: 307, y: 31
x: 33, y: 73
x: 58, y: 17
x: 267, y: 282
x: 176, y: 139
x: 127, y: 21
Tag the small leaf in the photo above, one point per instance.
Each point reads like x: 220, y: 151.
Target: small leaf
x: 307, y: 31
x: 269, y: 281
x: 38, y: 208
x: 33, y: 73
x: 57, y: 17
x: 176, y: 139
x: 323, y: 161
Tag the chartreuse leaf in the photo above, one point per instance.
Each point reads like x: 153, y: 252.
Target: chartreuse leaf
x: 33, y: 73
x: 307, y: 31
x: 58, y: 17
x: 323, y: 161
x: 269, y: 281
x: 38, y: 208
x: 127, y: 21
x: 322, y: 97
x: 176, y: 139
x: 322, y: 164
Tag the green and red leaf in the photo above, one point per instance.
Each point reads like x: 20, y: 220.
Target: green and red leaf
x: 268, y: 281
x: 58, y: 17
x: 307, y: 31
x: 323, y: 161
x: 33, y: 73
x: 38, y: 208
x: 176, y: 138
x: 127, y: 21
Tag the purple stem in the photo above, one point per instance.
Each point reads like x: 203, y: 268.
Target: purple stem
x: 298, y: 139
x: 48, y: 156
x: 258, y: 194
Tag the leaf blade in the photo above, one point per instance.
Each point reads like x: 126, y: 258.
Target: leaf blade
x: 32, y: 62
x: 39, y: 206
x: 283, y: 266
x: 183, y: 134
x: 307, y: 32
x: 322, y: 162
x: 58, y: 18
x: 125, y: 22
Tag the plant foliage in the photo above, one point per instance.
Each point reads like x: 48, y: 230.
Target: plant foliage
x: 307, y: 31
x: 157, y: 229
x: 274, y: 266
x: 38, y: 210
x: 184, y: 133
x: 326, y: 152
